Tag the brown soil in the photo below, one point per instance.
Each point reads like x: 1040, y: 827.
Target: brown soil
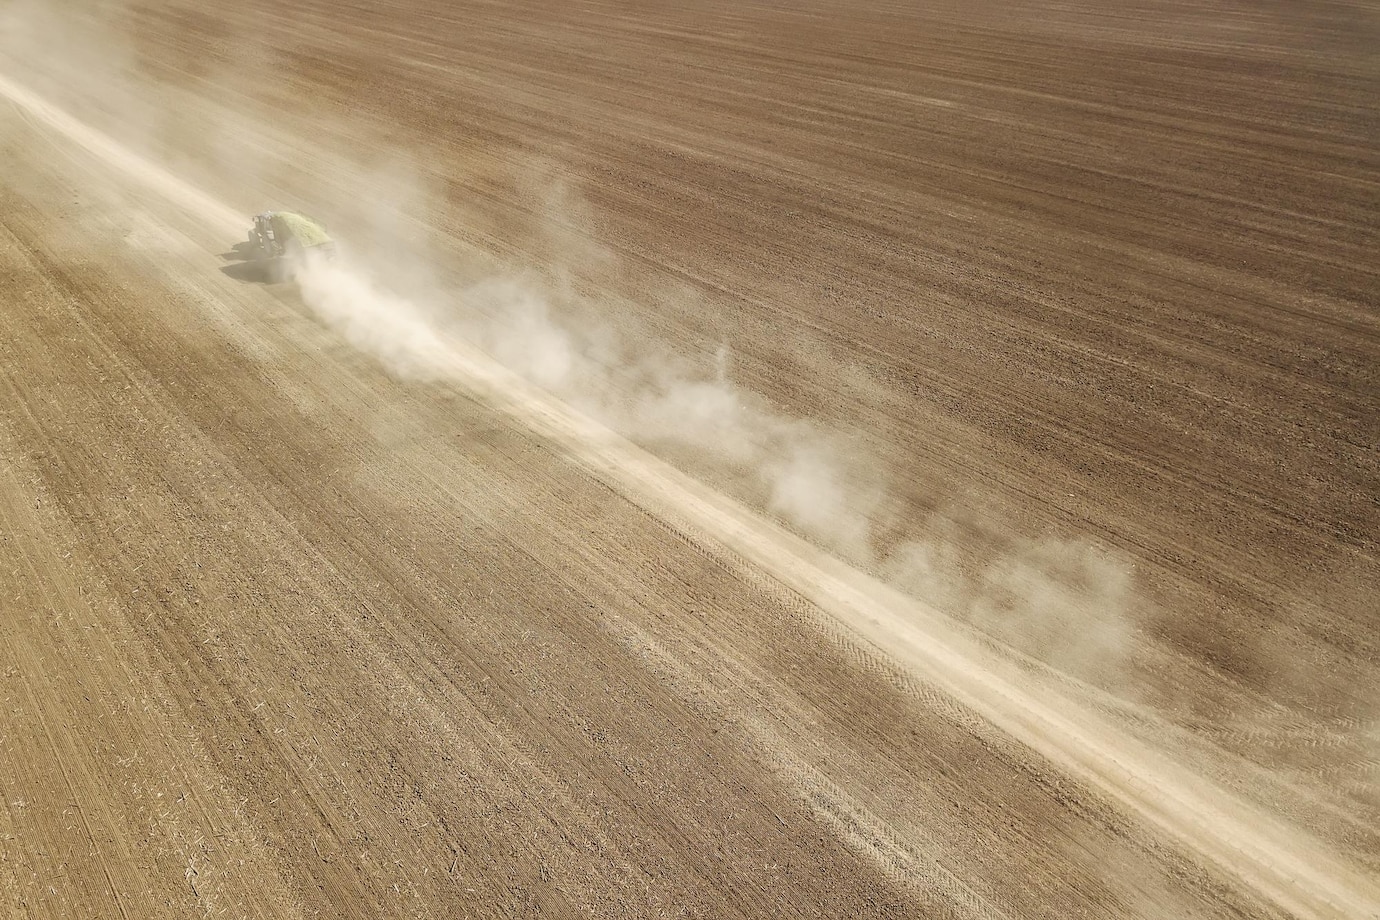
x: 1090, y: 291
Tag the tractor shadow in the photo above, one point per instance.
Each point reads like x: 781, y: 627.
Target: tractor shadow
x: 247, y: 265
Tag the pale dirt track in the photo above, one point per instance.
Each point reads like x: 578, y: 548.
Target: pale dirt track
x: 289, y: 636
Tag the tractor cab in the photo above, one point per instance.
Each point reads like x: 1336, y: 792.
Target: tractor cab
x: 264, y: 237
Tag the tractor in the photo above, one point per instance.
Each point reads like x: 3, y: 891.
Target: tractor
x: 287, y: 237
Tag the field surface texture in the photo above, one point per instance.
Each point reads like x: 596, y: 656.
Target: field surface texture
x: 811, y: 459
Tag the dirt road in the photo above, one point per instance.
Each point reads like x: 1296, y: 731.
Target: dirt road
x: 753, y: 462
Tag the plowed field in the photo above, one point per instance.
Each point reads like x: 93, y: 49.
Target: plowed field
x: 749, y: 460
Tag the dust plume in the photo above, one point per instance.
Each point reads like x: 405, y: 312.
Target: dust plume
x: 1063, y: 602
x: 383, y: 325
x: 807, y: 476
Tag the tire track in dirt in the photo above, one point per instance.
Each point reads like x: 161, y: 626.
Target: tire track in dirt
x: 1276, y: 860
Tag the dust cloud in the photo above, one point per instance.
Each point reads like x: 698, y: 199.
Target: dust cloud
x: 1062, y: 602
x: 370, y: 319
x: 640, y: 389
